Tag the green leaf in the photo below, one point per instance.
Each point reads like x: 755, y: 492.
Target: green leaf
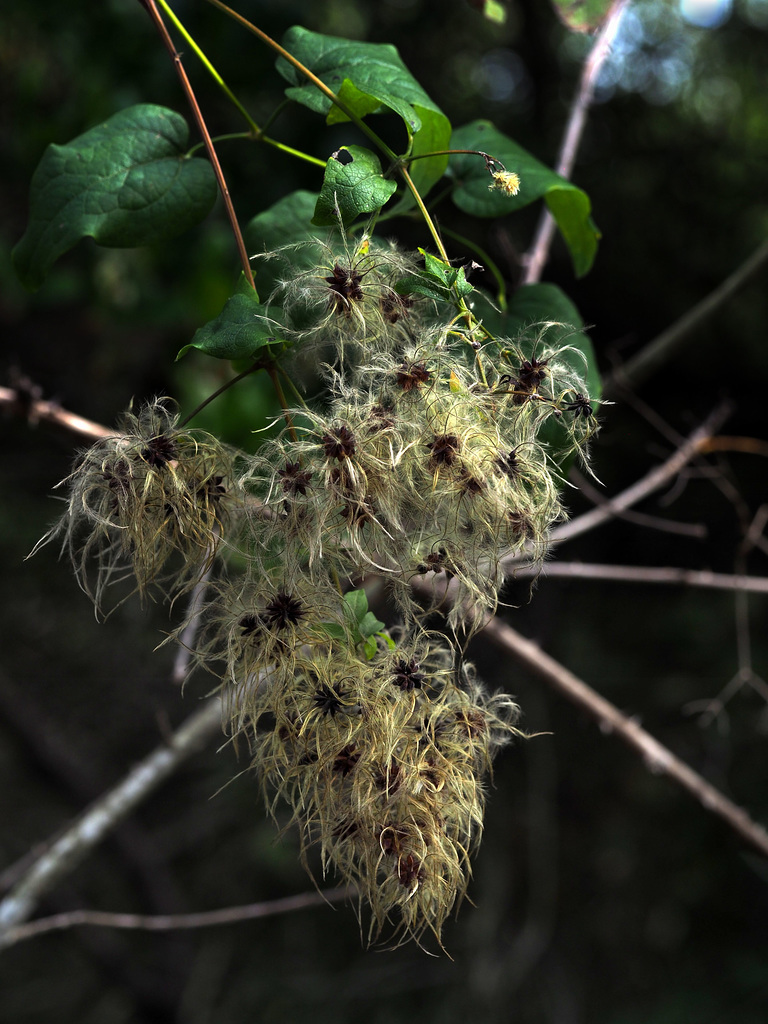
x: 387, y: 640
x: 126, y: 182
x: 435, y: 134
x: 370, y: 647
x: 535, y: 304
x: 569, y: 205
x: 365, y: 622
x: 531, y: 307
x: 369, y: 625
x: 363, y: 626
x: 356, y: 603
x: 437, y: 268
x: 571, y: 209
x: 353, y: 184
x: 285, y: 222
x: 423, y: 284
x: 362, y: 103
x: 242, y: 328
x: 438, y: 280
x: 334, y: 630
x: 288, y: 222
x: 369, y: 78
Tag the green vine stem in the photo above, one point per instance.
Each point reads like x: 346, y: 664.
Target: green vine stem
x: 501, y: 295
x: 219, y: 391
x: 464, y: 311
x: 294, y: 390
x: 306, y: 157
x: 201, y: 56
x: 256, y: 133
x: 272, y: 373
x: 151, y: 8
x: 304, y: 70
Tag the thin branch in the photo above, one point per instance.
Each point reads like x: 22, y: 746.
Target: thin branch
x: 175, y: 922
x: 220, y: 391
x: 71, y: 848
x: 658, y: 759
x: 755, y: 537
x: 539, y: 252
x: 745, y: 445
x: 643, y: 574
x: 642, y: 365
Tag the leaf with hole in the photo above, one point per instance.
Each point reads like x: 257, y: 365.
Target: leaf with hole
x: 353, y: 184
x: 368, y: 78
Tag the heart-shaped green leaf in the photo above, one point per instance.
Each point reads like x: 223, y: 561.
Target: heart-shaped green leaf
x: 353, y: 184
x: 546, y: 303
x: 568, y: 204
x: 126, y: 182
x: 242, y: 328
x: 288, y: 222
x: 368, y: 77
x: 531, y: 307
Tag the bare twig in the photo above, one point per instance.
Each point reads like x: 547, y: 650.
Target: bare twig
x: 658, y: 477
x: 175, y: 922
x: 656, y: 756
x: 539, y: 252
x: 745, y: 445
x: 656, y: 352
x: 71, y: 848
x: 644, y: 574
x: 697, y: 530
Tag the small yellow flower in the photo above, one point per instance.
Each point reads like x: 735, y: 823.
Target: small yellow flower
x: 505, y: 181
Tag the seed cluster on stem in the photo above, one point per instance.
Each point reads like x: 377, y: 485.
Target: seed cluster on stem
x: 435, y: 454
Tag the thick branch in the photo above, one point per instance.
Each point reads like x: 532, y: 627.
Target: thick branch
x: 39, y: 411
x: 71, y: 848
x: 657, y: 757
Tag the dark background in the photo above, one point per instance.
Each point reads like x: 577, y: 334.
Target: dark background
x: 603, y: 893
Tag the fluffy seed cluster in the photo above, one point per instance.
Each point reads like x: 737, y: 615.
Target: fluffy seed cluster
x: 381, y: 760
x: 148, y: 504
x: 433, y: 456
